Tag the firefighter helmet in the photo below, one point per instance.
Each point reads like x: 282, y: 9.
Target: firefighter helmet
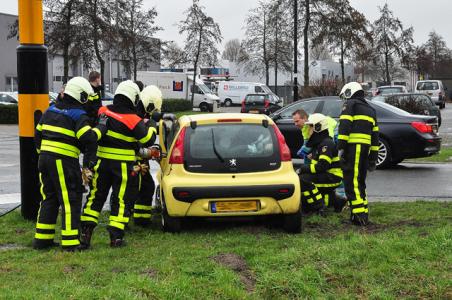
x: 319, y: 122
x: 151, y: 96
x: 350, y: 89
x: 129, y: 89
x: 79, y: 88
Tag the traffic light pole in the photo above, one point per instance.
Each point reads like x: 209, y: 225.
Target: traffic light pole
x: 33, y: 99
x: 295, y: 50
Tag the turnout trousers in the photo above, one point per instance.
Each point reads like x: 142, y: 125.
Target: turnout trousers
x: 61, y: 186
x: 318, y: 190
x: 355, y: 171
x: 119, y: 176
x: 143, y: 205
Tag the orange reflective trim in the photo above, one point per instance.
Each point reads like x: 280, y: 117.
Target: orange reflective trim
x: 130, y: 120
x: 31, y: 26
x: 28, y: 104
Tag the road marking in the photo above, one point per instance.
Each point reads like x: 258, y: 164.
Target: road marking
x: 10, y: 198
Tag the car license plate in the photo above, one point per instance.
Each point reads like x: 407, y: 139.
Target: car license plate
x: 233, y: 206
x: 254, y: 111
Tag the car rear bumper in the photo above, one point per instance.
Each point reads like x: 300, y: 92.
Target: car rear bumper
x: 428, y: 147
x: 195, y: 194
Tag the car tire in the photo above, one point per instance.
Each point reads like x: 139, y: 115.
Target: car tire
x: 204, y: 107
x: 394, y: 163
x: 170, y: 224
x: 384, y: 155
x: 227, y: 102
x: 292, y: 223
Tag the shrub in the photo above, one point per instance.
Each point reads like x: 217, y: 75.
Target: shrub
x: 321, y: 88
x: 9, y: 114
x: 175, y: 105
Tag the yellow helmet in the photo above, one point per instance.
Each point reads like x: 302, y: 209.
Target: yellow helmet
x: 350, y: 89
x: 318, y: 121
x: 79, y: 88
x: 151, y: 95
x: 129, y: 89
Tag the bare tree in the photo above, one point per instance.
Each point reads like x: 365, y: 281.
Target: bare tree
x: 345, y: 29
x: 173, y: 55
x: 391, y: 40
x: 203, y: 35
x: 256, y: 42
x: 233, y: 51
x: 436, y: 47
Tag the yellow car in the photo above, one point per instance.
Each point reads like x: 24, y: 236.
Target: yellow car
x: 226, y: 165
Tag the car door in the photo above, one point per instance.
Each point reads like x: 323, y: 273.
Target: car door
x: 284, y: 121
x: 168, y: 128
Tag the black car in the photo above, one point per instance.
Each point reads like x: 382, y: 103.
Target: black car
x: 260, y: 104
x: 415, y: 103
x: 402, y: 135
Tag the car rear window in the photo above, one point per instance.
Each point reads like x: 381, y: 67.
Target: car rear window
x: 231, y: 148
x: 427, y: 86
x: 390, y: 90
x: 255, y: 99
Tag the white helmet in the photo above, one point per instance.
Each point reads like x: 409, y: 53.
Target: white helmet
x: 151, y: 95
x: 318, y: 121
x: 79, y: 88
x: 129, y: 89
x: 350, y: 89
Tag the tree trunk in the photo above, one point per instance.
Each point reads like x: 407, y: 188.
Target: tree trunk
x: 342, y: 62
x: 276, y: 51
x: 67, y: 42
x: 96, y: 44
x: 306, y: 43
x: 267, y: 79
x: 195, y: 71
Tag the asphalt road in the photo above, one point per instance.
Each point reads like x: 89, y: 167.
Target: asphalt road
x: 409, y: 181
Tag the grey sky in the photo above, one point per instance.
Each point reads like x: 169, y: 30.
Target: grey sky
x: 424, y: 16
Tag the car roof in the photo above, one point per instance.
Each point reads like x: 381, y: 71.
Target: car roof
x: 213, y: 118
x: 391, y: 86
x: 402, y: 94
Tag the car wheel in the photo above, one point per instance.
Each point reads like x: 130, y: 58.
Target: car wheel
x: 227, y: 102
x: 396, y: 162
x: 204, y: 107
x: 384, y: 155
x: 169, y: 224
x: 292, y: 222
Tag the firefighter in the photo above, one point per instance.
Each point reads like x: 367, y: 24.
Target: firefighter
x: 62, y: 131
x: 95, y: 100
x: 358, y: 148
x: 320, y: 178
x: 116, y: 155
x: 148, y: 107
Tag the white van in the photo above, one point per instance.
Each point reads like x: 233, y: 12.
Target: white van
x: 177, y: 85
x: 433, y: 88
x: 231, y: 92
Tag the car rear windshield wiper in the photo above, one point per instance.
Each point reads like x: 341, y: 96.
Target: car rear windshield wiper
x: 215, y: 148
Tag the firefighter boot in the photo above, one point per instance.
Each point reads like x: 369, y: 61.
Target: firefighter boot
x: 86, y: 233
x: 360, y: 219
x: 339, y: 203
x: 44, y: 244
x: 116, y: 238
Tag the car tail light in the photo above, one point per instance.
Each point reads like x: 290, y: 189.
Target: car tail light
x: 229, y: 120
x: 422, y: 127
x: 284, y: 150
x: 266, y: 103
x: 177, y: 155
x: 243, y: 105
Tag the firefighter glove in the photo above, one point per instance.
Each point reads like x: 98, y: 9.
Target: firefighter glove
x: 102, y: 120
x: 87, y: 176
x: 141, y: 168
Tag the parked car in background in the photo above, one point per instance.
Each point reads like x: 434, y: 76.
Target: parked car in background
x: 260, y: 104
x: 418, y: 104
x: 107, y: 99
x: 232, y: 92
x: 434, y: 89
x: 390, y: 89
x: 402, y: 135
x: 8, y: 98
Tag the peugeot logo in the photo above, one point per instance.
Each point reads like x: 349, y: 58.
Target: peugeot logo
x: 233, y: 162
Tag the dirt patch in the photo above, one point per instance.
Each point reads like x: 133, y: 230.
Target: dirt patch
x: 237, y: 264
x: 117, y: 270
x: 151, y: 273
x: 7, y: 247
x: 20, y: 231
x: 71, y: 268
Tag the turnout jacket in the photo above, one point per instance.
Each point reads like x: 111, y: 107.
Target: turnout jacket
x: 94, y: 103
x: 64, y: 130
x: 358, y: 125
x: 126, y: 131
x: 325, y: 158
